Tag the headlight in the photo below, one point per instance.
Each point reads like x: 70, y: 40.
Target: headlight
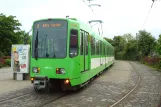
x: 62, y: 71
x: 35, y: 70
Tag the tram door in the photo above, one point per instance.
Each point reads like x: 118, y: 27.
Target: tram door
x: 84, y: 60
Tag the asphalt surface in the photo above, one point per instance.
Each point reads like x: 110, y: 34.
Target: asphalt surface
x: 103, y: 91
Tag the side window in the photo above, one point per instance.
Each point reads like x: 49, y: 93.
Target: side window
x: 73, y: 43
x: 105, y: 49
x: 100, y: 48
x: 92, y: 46
x: 97, y: 47
x: 86, y: 43
x: 81, y: 46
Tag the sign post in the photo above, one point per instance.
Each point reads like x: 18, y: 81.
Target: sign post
x: 20, y: 61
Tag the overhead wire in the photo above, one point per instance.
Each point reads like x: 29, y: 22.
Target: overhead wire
x: 91, y: 9
x: 148, y: 14
x: 95, y: 16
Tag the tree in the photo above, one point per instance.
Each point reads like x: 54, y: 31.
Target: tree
x: 131, y: 50
x: 109, y: 40
x: 10, y: 33
x: 128, y: 37
x: 158, y: 45
x: 119, y: 44
x: 146, y: 43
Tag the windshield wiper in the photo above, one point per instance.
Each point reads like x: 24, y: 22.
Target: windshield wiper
x: 47, y: 48
x: 36, y: 46
x: 54, y: 49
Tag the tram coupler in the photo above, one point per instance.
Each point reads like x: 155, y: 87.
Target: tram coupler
x: 40, y: 83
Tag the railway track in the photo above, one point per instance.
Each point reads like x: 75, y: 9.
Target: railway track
x: 132, y: 90
x: 35, y: 99
x: 47, y: 99
x: 137, y: 84
x: 15, y: 97
x: 50, y: 101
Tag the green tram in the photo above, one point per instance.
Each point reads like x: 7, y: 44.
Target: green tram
x: 66, y: 52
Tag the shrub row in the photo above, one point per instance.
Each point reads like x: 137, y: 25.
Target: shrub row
x: 153, y: 61
x: 5, y: 61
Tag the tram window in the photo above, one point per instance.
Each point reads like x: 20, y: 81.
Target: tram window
x: 97, y: 47
x: 81, y: 47
x: 86, y: 43
x: 105, y: 49
x: 110, y: 52
x: 73, y: 43
x: 100, y: 48
x: 93, y: 46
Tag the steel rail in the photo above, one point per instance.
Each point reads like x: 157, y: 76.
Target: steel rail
x: 132, y: 90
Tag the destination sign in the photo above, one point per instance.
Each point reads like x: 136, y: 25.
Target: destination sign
x: 51, y: 24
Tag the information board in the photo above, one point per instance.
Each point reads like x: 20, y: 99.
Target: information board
x: 20, y: 58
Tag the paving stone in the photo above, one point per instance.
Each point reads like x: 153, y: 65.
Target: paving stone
x: 148, y: 94
x: 108, y: 88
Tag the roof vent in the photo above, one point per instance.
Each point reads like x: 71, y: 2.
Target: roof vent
x: 67, y: 16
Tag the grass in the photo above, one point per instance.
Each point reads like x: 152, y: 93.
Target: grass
x: 156, y: 67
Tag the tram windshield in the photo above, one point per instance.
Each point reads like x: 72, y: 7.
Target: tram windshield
x: 49, y: 39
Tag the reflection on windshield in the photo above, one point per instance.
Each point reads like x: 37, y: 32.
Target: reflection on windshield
x: 51, y: 41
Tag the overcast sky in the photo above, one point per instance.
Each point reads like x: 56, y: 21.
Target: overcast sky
x: 119, y: 16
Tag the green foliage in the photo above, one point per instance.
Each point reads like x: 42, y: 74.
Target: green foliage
x: 146, y: 43
x: 125, y: 47
x: 158, y: 45
x: 128, y: 37
x: 129, y: 48
x: 1, y: 65
x: 10, y: 33
x: 8, y: 62
x: 1, y: 54
x: 119, y: 43
x: 159, y: 65
x: 109, y: 40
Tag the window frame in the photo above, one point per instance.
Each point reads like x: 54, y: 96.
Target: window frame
x: 70, y: 44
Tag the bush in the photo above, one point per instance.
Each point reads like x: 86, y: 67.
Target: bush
x: 1, y: 65
x: 1, y: 54
x: 159, y: 64
x: 6, y: 57
x: 2, y: 61
x: 8, y: 62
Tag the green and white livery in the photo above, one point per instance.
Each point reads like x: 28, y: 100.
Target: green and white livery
x: 66, y: 52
